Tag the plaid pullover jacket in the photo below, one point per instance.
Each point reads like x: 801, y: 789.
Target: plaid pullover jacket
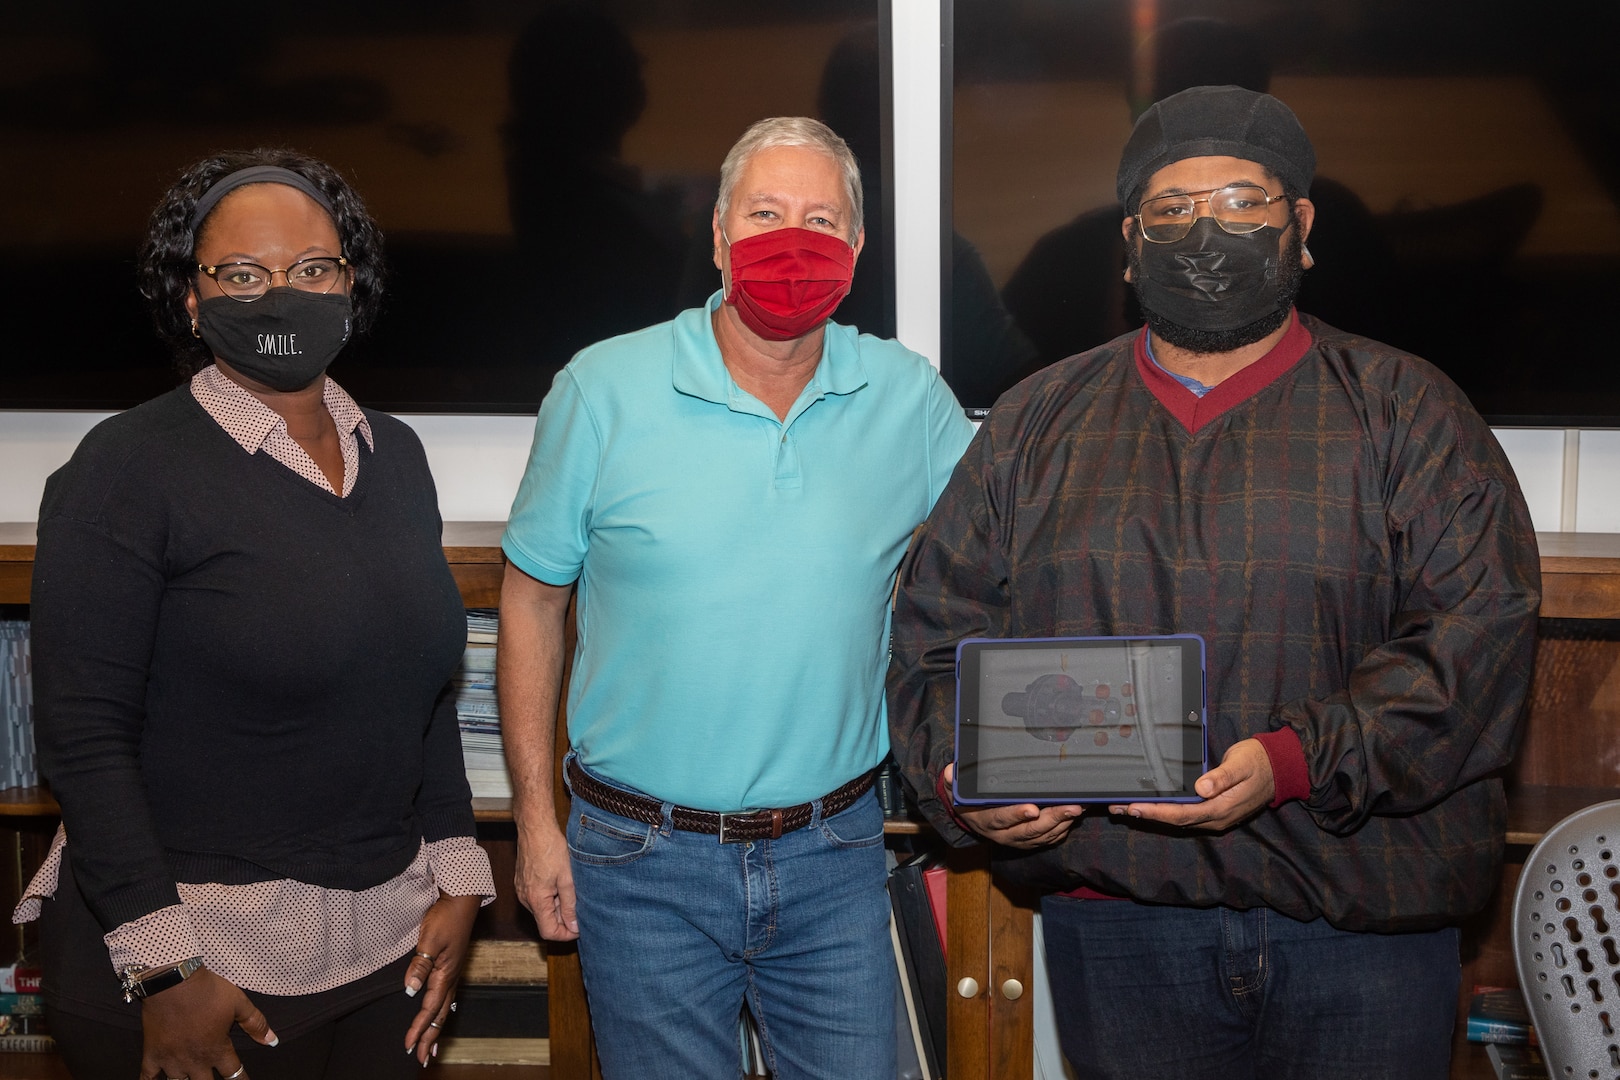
x: 1344, y: 531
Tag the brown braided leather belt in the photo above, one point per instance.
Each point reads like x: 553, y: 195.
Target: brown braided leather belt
x: 731, y: 828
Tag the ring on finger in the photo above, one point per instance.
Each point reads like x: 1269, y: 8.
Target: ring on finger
x: 241, y: 1070
x: 434, y: 1024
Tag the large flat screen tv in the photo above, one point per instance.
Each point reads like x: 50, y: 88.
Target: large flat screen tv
x: 1468, y: 191
x: 543, y: 172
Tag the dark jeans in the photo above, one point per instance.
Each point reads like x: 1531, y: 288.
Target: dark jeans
x: 1155, y: 993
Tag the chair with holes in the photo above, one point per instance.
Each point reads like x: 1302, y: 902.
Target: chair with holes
x: 1566, y: 943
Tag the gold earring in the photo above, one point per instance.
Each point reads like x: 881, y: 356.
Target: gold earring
x: 194, y: 329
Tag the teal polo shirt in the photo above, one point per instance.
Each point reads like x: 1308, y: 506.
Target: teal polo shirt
x: 734, y: 569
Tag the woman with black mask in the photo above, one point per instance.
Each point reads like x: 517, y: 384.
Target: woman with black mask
x: 244, y: 631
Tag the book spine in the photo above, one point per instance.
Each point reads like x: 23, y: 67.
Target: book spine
x: 1482, y: 1030
x: 27, y: 1044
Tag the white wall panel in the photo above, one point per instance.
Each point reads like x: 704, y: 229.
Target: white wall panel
x: 32, y: 446
x: 477, y: 461
x: 916, y: 174
x: 1597, y: 491
x: 1537, y: 457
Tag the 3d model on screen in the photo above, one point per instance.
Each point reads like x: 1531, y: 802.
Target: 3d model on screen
x: 1054, y: 706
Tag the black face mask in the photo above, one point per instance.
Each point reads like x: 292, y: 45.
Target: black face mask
x: 1212, y: 280
x: 285, y: 339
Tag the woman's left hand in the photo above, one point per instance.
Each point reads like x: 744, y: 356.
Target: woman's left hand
x: 435, y: 970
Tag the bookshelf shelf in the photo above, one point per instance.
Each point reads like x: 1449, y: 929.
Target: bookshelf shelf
x: 28, y: 802
x: 1580, y: 571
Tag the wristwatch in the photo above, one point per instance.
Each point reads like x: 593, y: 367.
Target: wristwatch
x: 144, y: 982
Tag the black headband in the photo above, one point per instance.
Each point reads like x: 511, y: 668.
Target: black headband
x: 256, y: 174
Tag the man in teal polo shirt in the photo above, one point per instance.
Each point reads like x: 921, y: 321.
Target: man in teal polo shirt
x: 732, y: 492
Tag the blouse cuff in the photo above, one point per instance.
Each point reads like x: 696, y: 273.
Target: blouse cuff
x: 165, y: 936
x: 461, y: 868
x: 1289, y: 775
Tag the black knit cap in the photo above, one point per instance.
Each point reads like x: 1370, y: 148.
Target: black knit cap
x: 1216, y: 121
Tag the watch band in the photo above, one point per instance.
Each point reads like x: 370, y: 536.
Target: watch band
x: 144, y: 982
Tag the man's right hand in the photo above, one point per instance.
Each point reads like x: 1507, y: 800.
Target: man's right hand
x: 545, y: 882
x: 1020, y: 825
x: 186, y: 1028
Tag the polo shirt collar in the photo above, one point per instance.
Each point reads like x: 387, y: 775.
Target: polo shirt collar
x: 701, y: 372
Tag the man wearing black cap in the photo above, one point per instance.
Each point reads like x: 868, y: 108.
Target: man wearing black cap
x: 1339, y: 525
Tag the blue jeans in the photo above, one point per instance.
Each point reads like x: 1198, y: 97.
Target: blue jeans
x: 1145, y: 992
x: 677, y: 931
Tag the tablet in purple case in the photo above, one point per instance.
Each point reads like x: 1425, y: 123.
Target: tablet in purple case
x: 1080, y: 720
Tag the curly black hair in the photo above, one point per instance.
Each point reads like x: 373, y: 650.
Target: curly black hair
x: 166, y: 265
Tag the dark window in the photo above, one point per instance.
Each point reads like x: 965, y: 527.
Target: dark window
x: 1468, y: 188
x: 544, y: 174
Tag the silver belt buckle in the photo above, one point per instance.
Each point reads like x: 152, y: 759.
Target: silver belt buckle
x: 725, y: 818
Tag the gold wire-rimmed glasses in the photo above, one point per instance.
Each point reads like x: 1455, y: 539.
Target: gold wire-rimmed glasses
x: 247, y: 281
x: 1237, y: 209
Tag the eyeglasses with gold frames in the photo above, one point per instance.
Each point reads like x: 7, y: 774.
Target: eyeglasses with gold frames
x: 1237, y: 209
x: 247, y: 281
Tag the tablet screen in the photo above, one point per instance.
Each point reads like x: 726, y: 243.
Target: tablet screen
x: 1054, y: 720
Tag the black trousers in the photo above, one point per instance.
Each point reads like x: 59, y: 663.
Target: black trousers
x: 368, y: 1042
x: 356, y: 1030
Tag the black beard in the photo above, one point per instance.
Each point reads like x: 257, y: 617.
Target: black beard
x: 1290, y: 275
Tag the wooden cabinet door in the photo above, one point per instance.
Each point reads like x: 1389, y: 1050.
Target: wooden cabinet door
x: 990, y: 1022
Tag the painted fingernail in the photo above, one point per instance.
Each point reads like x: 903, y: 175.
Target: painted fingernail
x: 274, y: 1041
x: 410, y: 991
x: 435, y: 1049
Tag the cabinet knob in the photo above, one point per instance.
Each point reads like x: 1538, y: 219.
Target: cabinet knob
x: 968, y: 987
x: 1012, y: 989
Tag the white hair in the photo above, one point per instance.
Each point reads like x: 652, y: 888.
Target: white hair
x: 793, y: 131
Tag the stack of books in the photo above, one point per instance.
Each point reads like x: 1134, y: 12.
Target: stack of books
x: 1516, y: 1062
x: 476, y: 711
x: 18, y: 767
x: 891, y: 791
x: 1497, y: 1014
x: 22, y: 1011
x: 502, y: 1018
x: 916, y: 930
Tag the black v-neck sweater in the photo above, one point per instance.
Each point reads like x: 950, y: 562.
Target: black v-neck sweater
x: 240, y: 676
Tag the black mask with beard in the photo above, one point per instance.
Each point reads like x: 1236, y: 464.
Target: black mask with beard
x: 1191, y: 290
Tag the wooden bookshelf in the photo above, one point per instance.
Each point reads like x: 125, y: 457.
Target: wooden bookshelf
x: 16, y: 561
x: 472, y: 548
x: 1570, y: 759
x: 1580, y: 580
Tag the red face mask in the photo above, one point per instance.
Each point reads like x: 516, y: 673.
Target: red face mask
x: 786, y: 282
